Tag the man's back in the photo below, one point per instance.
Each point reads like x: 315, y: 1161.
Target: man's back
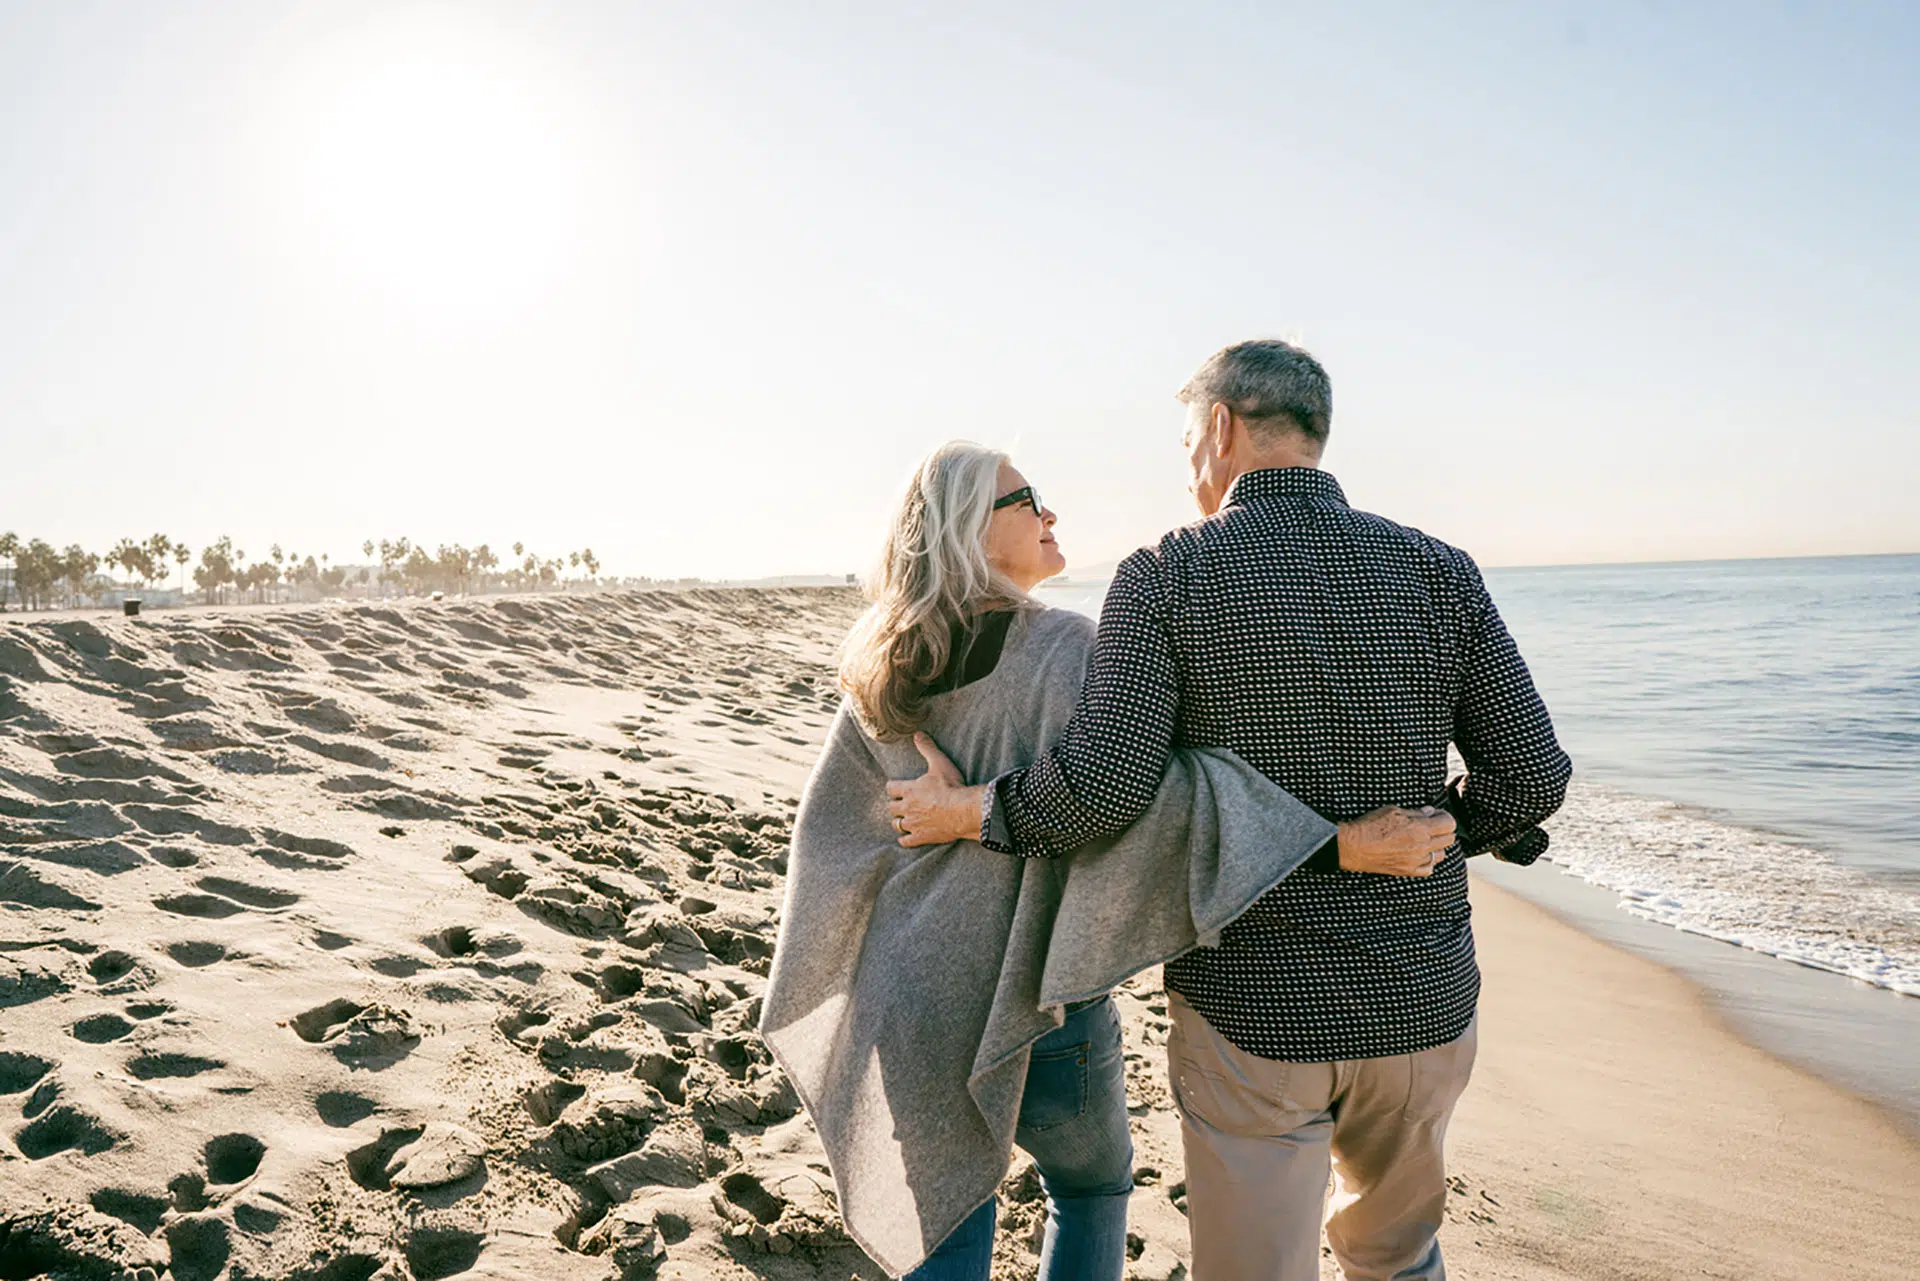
x: 1323, y: 644
x: 1338, y: 653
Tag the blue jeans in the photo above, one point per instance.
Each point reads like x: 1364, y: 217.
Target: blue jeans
x: 1073, y: 1122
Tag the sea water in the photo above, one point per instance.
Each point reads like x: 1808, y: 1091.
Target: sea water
x: 1746, y: 739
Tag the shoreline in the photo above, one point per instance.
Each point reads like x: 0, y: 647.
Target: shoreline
x: 1621, y: 1127
x: 1856, y: 1036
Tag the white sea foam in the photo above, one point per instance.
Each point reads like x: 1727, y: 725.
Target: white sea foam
x: 1686, y: 869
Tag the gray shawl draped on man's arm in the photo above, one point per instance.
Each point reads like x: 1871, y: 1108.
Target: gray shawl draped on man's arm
x: 909, y: 985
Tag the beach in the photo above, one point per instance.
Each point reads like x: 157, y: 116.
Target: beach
x: 1624, y: 1131
x: 426, y: 939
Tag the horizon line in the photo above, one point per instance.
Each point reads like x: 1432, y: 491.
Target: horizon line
x: 1072, y: 576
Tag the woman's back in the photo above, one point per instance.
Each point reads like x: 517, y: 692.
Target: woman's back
x: 909, y: 984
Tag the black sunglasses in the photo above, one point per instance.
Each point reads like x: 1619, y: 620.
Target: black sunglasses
x: 1025, y: 494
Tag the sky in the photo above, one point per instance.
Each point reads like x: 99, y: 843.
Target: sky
x: 695, y: 285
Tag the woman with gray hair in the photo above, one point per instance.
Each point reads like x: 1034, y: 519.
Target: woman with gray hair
x: 936, y: 1006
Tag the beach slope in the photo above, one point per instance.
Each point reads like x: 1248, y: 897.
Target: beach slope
x: 427, y: 940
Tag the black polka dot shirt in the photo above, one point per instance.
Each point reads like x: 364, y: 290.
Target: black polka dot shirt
x: 1339, y: 654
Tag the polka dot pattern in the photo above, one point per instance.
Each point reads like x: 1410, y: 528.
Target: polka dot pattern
x: 1340, y: 654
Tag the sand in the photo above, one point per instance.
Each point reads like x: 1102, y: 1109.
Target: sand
x: 426, y: 940
x: 1616, y: 1129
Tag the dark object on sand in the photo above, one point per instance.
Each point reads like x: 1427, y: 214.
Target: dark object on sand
x: 132, y: 607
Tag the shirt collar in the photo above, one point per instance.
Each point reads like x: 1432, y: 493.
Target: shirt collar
x: 1273, y: 484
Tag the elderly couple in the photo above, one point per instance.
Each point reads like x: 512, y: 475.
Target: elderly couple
x: 1242, y: 774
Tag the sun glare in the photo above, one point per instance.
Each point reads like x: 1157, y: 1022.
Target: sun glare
x: 442, y: 166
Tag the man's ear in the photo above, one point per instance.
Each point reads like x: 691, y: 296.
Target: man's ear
x: 1221, y: 425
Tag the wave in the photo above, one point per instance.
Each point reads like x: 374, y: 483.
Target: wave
x: 1687, y: 869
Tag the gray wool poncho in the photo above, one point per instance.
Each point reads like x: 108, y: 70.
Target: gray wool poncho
x: 909, y: 985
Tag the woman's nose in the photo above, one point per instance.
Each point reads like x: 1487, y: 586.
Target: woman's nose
x: 1047, y: 517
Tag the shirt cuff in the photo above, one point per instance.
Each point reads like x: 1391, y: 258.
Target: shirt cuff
x: 1524, y: 850
x: 1326, y: 858
x: 995, y: 834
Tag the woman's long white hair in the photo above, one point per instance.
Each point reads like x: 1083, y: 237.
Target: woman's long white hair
x: 932, y: 575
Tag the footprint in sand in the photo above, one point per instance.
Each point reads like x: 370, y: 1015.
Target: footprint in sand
x: 203, y: 906
x: 111, y: 763
x: 317, y: 846
x: 342, y: 1108
x: 154, y: 1066
x: 141, y: 1209
x: 167, y: 821
x: 618, y: 982
x: 345, y: 753
x: 370, y: 1165
x: 20, y: 1072
x: 22, y: 885
x: 100, y: 1028
x: 64, y: 1129
x: 499, y: 876
x: 546, y: 1102
x: 323, y: 714
x: 233, y: 1158
x: 111, y: 967
x: 436, y: 1253
x: 255, y: 1219
x: 303, y: 853
x: 747, y: 1192
x: 368, y: 1036
x: 353, y: 784
x: 317, y: 1024
x: 197, y: 1248
x: 226, y: 897
x: 188, y: 1191
x: 261, y: 896
x: 453, y: 941
x: 195, y: 954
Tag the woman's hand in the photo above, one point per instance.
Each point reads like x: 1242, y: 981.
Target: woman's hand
x: 1396, y: 842
x: 938, y: 806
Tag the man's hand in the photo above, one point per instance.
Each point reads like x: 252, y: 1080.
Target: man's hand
x: 1396, y: 842
x: 938, y: 806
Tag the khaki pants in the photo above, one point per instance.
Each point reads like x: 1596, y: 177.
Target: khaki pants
x: 1260, y: 1136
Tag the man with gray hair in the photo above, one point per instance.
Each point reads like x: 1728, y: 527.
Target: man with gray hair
x: 1339, y: 654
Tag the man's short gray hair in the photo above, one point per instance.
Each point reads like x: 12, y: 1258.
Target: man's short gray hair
x: 1269, y: 384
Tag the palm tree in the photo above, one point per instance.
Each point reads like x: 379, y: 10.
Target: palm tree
x: 130, y: 557
x: 181, y: 555
x: 391, y: 554
x: 36, y: 570
x: 77, y: 565
x: 10, y: 548
x: 158, y: 548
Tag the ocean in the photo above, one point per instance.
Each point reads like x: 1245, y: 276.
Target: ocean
x: 1746, y: 739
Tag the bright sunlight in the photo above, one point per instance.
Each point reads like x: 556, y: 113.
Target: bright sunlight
x: 436, y: 161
